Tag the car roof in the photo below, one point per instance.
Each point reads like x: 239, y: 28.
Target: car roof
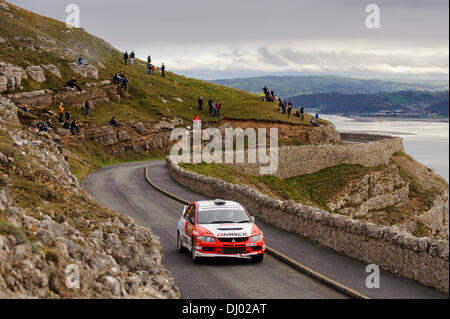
x: 212, y: 204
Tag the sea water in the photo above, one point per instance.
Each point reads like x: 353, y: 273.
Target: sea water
x: 426, y: 140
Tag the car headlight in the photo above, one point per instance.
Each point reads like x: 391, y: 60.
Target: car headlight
x: 257, y: 238
x: 206, y: 239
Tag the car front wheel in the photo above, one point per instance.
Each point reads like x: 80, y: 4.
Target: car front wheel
x: 195, y: 259
x: 257, y: 259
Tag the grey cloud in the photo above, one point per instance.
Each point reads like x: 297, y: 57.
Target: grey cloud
x: 256, y: 33
x: 273, y: 59
x: 352, y: 58
x: 203, y: 21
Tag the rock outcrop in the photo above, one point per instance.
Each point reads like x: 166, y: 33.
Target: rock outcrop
x: 36, y: 73
x: 4, y: 6
x: 52, y: 248
x: 373, y: 192
x: 11, y: 77
x: 133, y: 136
x: 8, y: 112
x: 101, y: 91
x: 87, y: 71
x: 53, y: 69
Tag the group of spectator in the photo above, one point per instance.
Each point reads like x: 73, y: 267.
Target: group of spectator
x: 41, y: 126
x: 151, y: 68
x: 214, y: 106
x: 285, y: 107
x: 267, y: 95
x: 69, y: 123
x: 122, y: 79
x: 131, y: 56
x: 65, y: 117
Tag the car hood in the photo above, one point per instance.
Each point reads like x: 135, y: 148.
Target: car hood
x: 230, y: 230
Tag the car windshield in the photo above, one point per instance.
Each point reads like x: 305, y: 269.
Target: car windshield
x: 222, y: 216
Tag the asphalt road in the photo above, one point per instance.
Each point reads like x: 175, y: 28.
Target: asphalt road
x: 124, y: 189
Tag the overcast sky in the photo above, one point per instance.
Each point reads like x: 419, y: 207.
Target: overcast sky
x: 213, y: 39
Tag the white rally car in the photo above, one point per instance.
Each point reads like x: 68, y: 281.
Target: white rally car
x: 219, y: 229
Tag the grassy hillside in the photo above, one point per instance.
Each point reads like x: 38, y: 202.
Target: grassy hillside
x: 152, y: 97
x: 287, y: 86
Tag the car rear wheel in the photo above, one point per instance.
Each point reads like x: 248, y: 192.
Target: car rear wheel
x: 258, y: 259
x: 180, y: 247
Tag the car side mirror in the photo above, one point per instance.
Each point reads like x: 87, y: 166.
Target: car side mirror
x: 253, y: 219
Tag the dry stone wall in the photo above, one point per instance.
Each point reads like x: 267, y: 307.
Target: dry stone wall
x: 309, y: 159
x: 424, y: 260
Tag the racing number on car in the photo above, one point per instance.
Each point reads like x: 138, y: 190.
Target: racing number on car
x: 189, y: 228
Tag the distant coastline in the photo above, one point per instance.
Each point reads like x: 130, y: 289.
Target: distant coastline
x: 372, y: 118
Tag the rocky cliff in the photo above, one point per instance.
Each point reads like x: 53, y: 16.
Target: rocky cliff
x: 48, y: 225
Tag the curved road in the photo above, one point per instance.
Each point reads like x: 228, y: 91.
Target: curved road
x: 124, y: 189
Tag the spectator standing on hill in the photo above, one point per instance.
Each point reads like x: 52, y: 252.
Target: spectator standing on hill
x: 68, y: 116
x: 125, y: 57
x: 272, y: 92
x: 302, y: 113
x: 289, y: 110
x: 317, y: 116
x: 200, y: 103
x: 218, y: 107
x: 151, y: 68
x: 214, y: 109
x: 149, y: 59
x: 262, y: 96
x: 132, y: 55
x: 210, y: 104
x: 87, y: 106
x: 60, y: 113
x: 163, y: 70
